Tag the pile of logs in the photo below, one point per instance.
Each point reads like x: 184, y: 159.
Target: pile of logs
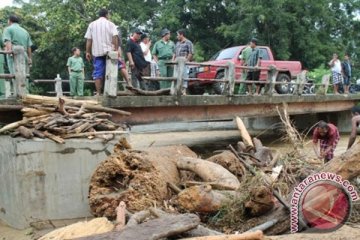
x: 59, y: 119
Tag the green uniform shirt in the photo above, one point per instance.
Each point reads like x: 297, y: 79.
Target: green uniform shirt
x: 17, y: 35
x: 76, y: 64
x: 163, y: 50
x: 245, y: 55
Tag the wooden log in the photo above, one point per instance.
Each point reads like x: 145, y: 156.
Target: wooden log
x: 257, y: 235
x: 54, y: 138
x: 138, y: 91
x: 167, y: 226
x: 106, y: 109
x: 32, y: 112
x: 19, y: 123
x: 209, y: 172
x: 120, y: 216
x: 38, y: 133
x: 25, y: 132
x: 87, y: 134
x: 53, y: 101
x: 201, y: 199
x: 138, y: 218
x: 201, y: 231
x: 6, y: 108
x: 243, y: 132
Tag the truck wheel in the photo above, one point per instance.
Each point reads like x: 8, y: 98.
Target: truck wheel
x: 220, y: 87
x: 286, y: 86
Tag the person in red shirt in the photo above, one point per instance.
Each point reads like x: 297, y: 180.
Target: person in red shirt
x: 329, y: 136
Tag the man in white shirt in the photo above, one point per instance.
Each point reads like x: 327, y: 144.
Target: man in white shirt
x: 145, y: 45
x: 337, y: 78
x: 102, y: 37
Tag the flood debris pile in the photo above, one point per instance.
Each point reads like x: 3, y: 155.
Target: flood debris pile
x: 59, y: 119
x: 170, y: 193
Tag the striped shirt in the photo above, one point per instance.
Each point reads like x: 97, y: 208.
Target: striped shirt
x: 101, y: 31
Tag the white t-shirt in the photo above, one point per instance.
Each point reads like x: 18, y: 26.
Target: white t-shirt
x: 148, y: 56
x: 101, y: 32
x: 337, y: 66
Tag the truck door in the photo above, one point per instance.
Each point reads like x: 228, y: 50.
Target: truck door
x: 266, y: 61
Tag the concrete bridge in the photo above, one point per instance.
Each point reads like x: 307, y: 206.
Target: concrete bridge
x: 150, y: 109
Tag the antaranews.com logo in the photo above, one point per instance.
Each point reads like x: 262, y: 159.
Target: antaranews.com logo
x: 323, y: 202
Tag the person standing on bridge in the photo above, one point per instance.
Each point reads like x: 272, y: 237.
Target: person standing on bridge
x: 346, y: 70
x: 254, y: 61
x: 76, y: 69
x: 163, y: 51
x: 101, y: 38
x: 2, y: 63
x: 15, y: 35
x: 139, y: 66
x: 355, y: 120
x: 328, y: 136
x: 337, y: 78
x: 184, y: 48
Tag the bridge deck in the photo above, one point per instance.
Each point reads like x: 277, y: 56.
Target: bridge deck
x: 148, y: 109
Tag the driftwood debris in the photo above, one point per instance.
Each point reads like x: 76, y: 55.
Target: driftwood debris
x: 243, y: 132
x: 159, y: 228
x: 210, y: 172
x: 52, y: 118
x: 257, y: 235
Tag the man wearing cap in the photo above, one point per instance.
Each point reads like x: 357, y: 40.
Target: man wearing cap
x: 102, y: 37
x: 163, y: 51
x: 254, y: 61
x: 139, y: 66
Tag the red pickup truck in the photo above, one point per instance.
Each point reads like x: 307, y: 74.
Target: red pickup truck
x: 288, y: 70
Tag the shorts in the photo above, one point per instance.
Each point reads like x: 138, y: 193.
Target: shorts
x: 122, y: 64
x: 99, y: 64
x: 253, y: 76
x: 337, y: 78
x: 347, y: 80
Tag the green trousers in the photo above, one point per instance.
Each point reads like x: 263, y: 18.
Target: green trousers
x: 2, y: 81
x: 165, y: 71
x: 77, y: 84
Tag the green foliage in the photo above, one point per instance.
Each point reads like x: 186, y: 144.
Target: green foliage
x: 308, y: 31
x: 318, y: 73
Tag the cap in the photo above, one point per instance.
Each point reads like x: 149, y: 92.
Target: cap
x: 254, y: 40
x: 164, y: 32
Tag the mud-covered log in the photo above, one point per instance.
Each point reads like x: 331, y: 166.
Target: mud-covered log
x: 202, y: 199
x: 209, y: 172
x: 244, y: 132
x: 257, y: 235
x: 139, y: 178
x: 25, y: 132
x: 160, y: 228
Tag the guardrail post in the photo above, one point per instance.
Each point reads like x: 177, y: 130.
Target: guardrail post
x: 272, y: 73
x: 179, y: 74
x: 230, y: 76
x: 301, y: 78
x: 19, y: 71
x: 58, y: 86
x: 111, y: 76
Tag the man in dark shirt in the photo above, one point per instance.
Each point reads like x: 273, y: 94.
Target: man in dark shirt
x: 329, y: 136
x: 139, y: 66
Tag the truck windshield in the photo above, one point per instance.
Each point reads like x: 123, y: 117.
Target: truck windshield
x: 228, y: 53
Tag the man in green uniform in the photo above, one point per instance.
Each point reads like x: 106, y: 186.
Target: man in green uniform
x: 75, y: 66
x: 15, y: 35
x: 163, y: 51
x: 245, y: 55
x: 2, y: 61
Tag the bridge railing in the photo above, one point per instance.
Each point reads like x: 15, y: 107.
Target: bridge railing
x: 181, y: 66
x: 18, y: 79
